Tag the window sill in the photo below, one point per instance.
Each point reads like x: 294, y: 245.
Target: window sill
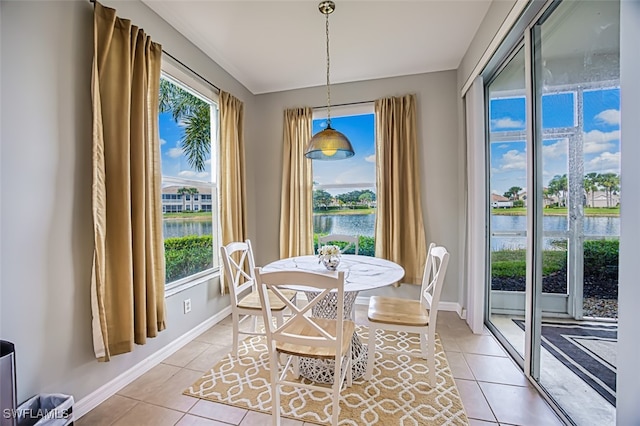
x: 182, y: 285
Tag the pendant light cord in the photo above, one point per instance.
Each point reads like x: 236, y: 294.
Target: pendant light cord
x: 328, y: 65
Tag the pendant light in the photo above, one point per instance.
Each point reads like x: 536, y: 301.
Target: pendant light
x: 328, y: 144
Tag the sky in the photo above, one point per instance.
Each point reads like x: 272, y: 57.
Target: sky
x: 174, y: 163
x: 361, y: 168
x: 601, y: 116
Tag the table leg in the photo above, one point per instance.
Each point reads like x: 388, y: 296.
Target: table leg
x: 321, y: 371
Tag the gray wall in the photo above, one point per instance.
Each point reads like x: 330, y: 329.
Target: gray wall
x: 490, y: 25
x: 46, y: 224
x: 628, y: 386
x: 438, y: 157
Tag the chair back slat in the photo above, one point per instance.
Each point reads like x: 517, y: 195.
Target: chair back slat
x: 352, y: 240
x: 434, y: 273
x: 289, y: 332
x: 238, y: 262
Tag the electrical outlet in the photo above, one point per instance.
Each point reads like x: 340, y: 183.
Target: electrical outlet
x: 187, y: 305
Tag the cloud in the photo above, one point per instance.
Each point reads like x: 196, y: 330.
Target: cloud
x: 191, y: 174
x: 162, y: 141
x: 371, y: 158
x: 174, y: 152
x: 514, y: 160
x: 555, y: 150
x: 507, y: 123
x: 504, y: 146
x: 607, y: 162
x: 609, y: 116
x: 598, y: 141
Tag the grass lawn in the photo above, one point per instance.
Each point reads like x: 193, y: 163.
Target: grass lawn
x: 559, y: 211
x: 344, y: 211
x: 191, y: 215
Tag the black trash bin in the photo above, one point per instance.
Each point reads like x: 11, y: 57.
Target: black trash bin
x: 53, y: 409
x: 8, y: 403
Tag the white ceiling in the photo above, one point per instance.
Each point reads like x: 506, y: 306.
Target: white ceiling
x: 272, y: 46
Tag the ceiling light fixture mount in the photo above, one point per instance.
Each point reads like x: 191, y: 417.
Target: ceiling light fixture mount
x: 328, y: 144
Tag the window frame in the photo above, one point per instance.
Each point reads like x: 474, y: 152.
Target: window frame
x: 177, y: 74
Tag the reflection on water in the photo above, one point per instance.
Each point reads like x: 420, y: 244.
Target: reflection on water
x: 606, y: 226
x: 356, y: 224
x: 183, y: 227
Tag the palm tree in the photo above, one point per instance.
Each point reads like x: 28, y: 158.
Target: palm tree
x: 195, y: 115
x: 591, y: 185
x: 610, y: 182
x: 193, y: 192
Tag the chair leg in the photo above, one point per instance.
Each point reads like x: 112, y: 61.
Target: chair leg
x: 431, y: 357
x: 371, y: 352
x: 275, y: 394
x: 236, y: 320
x: 335, y: 395
x: 350, y: 368
x: 279, y: 318
x: 423, y: 345
x: 254, y: 323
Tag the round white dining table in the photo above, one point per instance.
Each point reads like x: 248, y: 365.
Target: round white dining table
x: 361, y: 273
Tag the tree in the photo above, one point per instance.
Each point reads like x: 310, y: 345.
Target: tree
x: 591, y: 185
x: 559, y: 186
x: 193, y: 192
x: 366, y: 198
x: 321, y: 198
x: 195, y: 115
x: 182, y: 192
x: 187, y: 191
x: 611, y: 183
x: 512, y: 193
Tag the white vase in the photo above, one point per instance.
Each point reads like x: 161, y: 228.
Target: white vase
x: 331, y: 262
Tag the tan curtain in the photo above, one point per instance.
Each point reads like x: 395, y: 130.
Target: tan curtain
x: 233, y: 192
x: 296, y: 212
x: 127, y: 282
x: 400, y: 233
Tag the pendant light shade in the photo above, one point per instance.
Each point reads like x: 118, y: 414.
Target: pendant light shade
x: 328, y: 144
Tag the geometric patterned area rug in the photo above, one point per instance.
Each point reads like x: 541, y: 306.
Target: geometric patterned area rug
x: 397, y: 394
x: 588, y: 350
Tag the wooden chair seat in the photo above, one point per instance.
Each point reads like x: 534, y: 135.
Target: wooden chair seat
x: 304, y: 336
x: 392, y: 310
x: 237, y: 258
x: 304, y: 329
x: 252, y: 301
x: 412, y: 316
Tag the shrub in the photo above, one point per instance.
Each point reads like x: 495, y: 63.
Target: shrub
x: 366, y: 245
x: 186, y: 256
x: 601, y: 259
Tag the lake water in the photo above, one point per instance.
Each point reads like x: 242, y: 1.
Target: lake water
x: 594, y: 226
x: 182, y: 227
x: 363, y: 224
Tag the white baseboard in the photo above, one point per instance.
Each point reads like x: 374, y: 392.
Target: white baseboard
x: 443, y: 306
x: 109, y: 389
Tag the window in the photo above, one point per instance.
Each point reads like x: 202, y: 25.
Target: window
x: 187, y: 124
x: 344, y: 191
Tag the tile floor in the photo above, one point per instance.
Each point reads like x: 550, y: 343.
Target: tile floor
x: 492, y: 387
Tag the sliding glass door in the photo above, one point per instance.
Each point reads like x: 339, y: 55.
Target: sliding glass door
x: 575, y: 64
x: 552, y: 115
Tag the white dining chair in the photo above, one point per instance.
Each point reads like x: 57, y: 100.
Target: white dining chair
x: 412, y: 316
x: 239, y: 265
x: 352, y: 241
x: 302, y: 335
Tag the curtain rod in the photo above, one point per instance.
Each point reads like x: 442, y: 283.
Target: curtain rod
x: 345, y: 104
x: 164, y: 52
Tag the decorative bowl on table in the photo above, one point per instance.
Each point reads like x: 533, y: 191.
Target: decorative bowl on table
x: 329, y: 255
